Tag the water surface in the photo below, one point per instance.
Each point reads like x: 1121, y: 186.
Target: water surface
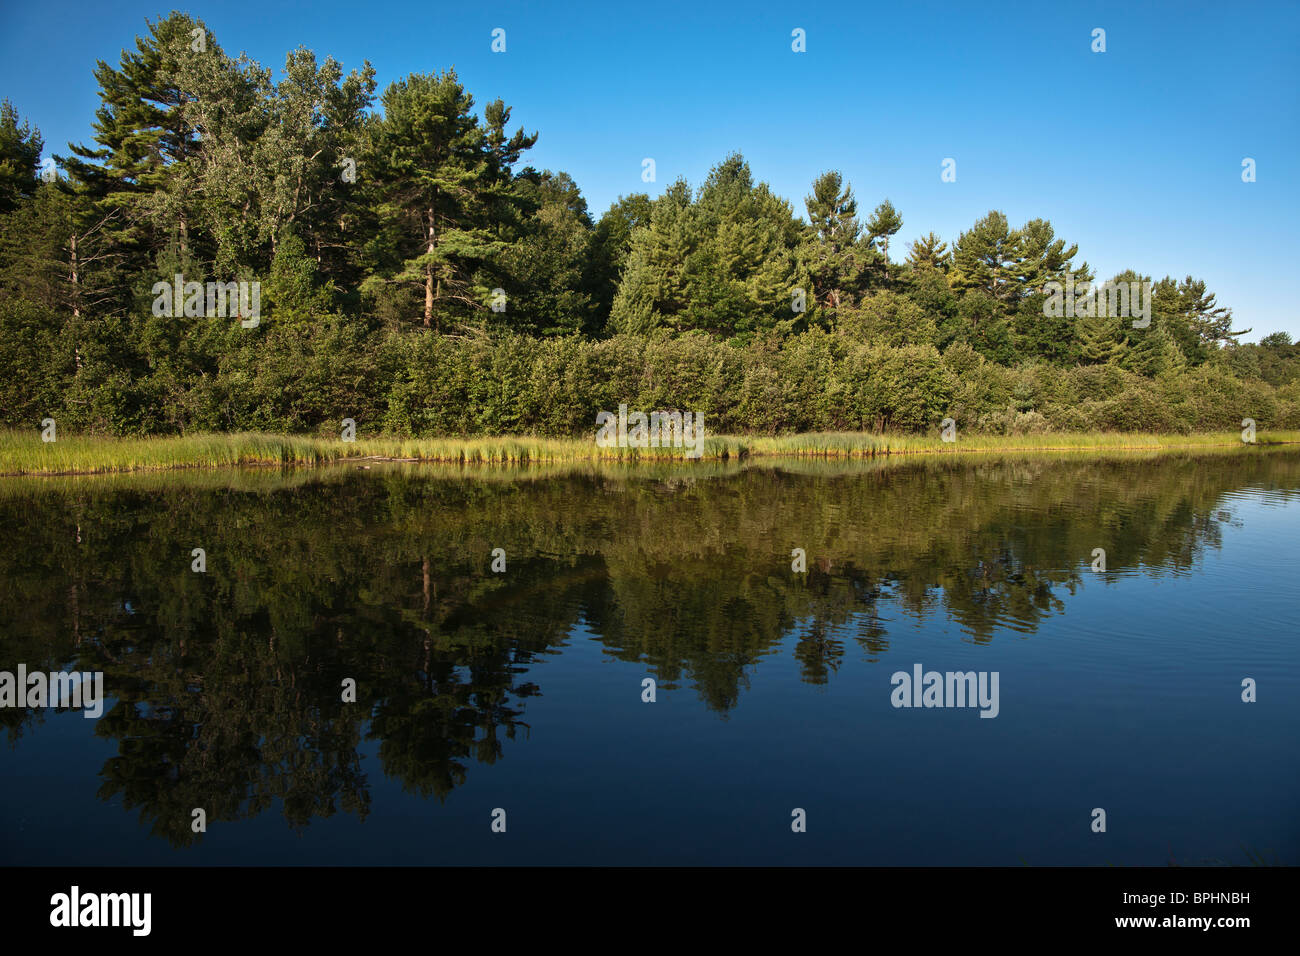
x: 522, y: 690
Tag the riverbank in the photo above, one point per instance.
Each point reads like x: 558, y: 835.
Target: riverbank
x: 24, y: 453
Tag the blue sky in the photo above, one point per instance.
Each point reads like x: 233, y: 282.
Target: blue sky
x: 1135, y: 153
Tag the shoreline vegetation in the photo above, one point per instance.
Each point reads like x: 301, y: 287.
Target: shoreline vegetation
x: 24, y: 454
x: 377, y: 292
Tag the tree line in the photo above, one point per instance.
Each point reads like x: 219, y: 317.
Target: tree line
x: 402, y: 244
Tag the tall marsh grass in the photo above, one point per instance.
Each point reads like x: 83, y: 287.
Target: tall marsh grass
x: 23, y: 452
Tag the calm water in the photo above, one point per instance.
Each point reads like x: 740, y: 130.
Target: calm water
x: 522, y: 690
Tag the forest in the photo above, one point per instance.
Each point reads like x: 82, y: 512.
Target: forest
x: 416, y: 275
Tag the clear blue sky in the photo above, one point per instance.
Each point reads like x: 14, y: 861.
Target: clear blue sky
x: 1135, y: 153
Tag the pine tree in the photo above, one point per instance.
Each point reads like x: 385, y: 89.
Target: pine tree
x: 833, y: 254
x: 55, y: 250
x: 652, y: 291
x: 1008, y: 264
x: 832, y: 211
x: 440, y: 174
x: 20, y: 155
x: 1151, y: 351
x: 985, y: 258
x: 1100, y: 339
x: 611, y: 245
x: 930, y: 251
x: 882, y: 225
x: 1044, y: 258
x: 541, y: 270
x: 143, y: 139
x: 726, y: 263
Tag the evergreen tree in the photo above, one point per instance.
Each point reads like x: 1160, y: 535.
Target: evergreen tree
x: 439, y: 174
x: 653, y: 287
x: 1100, y: 339
x: 1007, y: 264
x: 929, y: 251
x: 882, y: 225
x: 20, y: 156
x: 142, y: 137
x: 985, y: 258
x: 836, y: 258
x: 726, y: 263
x: 542, y: 270
x: 1194, y: 318
x: 745, y: 269
x: 832, y: 211
x: 1044, y: 258
x: 54, y: 252
x: 611, y: 244
x: 1152, y: 351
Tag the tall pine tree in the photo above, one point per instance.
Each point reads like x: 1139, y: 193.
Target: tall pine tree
x: 440, y: 175
x: 20, y: 154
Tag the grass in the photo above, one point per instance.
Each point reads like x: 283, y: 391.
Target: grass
x: 23, y: 452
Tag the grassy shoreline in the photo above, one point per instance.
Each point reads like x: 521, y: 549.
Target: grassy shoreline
x: 23, y: 453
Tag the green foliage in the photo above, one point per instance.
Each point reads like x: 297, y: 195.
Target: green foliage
x: 724, y: 262
x: 889, y: 318
x: 414, y: 279
x: 1192, y: 317
x: 837, y: 255
x: 441, y: 176
x: 292, y: 291
x: 611, y: 243
x: 20, y: 155
x: 883, y: 223
x: 1100, y: 339
x: 929, y: 251
x: 541, y: 273
x: 32, y: 371
x: 1006, y: 264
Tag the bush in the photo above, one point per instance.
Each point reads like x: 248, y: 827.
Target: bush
x: 306, y: 375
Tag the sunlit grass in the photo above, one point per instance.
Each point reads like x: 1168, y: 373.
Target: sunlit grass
x: 23, y: 452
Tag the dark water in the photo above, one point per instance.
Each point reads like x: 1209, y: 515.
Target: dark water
x: 522, y: 690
